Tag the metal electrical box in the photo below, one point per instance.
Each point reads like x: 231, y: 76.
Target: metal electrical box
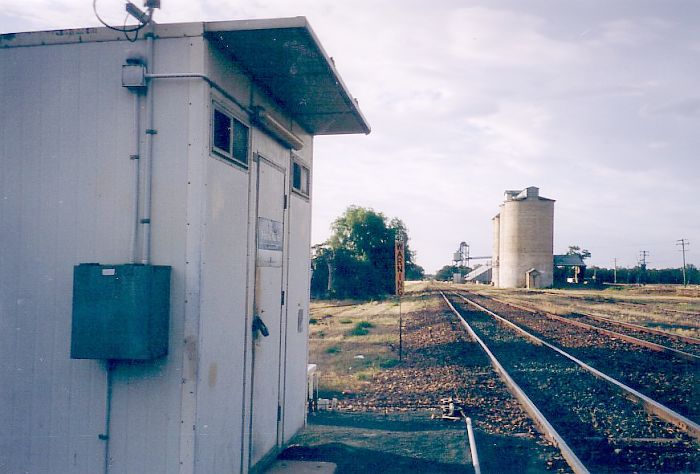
x: 120, y: 311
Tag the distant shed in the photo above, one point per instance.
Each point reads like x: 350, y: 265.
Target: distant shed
x: 190, y: 149
x: 575, y: 262
x: 482, y: 274
x: 568, y: 261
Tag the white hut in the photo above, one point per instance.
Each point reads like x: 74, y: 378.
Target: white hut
x: 182, y: 164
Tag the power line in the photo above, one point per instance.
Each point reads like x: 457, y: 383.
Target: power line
x: 643, y: 254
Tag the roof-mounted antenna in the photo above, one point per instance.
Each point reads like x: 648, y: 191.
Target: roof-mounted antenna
x: 137, y: 13
x: 144, y: 18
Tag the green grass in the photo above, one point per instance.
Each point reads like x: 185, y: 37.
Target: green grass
x: 360, y: 329
x: 333, y: 350
x: 358, y: 332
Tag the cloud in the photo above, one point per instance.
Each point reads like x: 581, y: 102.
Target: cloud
x: 516, y: 133
x: 688, y: 107
x: 45, y: 14
x: 505, y: 38
x: 467, y: 98
x: 628, y: 32
x: 658, y: 145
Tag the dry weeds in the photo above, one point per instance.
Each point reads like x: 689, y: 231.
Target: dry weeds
x: 346, y: 361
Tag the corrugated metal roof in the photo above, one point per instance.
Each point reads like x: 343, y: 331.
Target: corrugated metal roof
x: 568, y: 261
x: 282, y: 55
x: 286, y: 58
x: 478, y: 272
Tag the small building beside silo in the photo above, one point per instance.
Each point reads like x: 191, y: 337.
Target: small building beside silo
x: 482, y: 274
x: 524, y: 240
x: 186, y: 153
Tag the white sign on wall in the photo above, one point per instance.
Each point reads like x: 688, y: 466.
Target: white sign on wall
x: 270, y: 242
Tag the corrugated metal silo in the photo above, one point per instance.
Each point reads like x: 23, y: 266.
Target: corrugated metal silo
x: 526, y: 238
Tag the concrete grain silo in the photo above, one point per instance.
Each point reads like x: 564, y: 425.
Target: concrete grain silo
x: 525, y: 240
x: 495, y: 260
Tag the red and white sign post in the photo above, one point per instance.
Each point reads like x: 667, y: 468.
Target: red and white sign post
x: 400, y: 274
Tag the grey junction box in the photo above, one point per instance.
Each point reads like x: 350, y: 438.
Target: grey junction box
x: 120, y: 311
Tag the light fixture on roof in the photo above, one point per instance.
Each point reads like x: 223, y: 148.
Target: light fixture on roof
x: 279, y: 131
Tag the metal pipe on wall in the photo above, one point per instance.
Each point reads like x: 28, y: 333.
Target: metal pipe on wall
x: 109, y: 367
x: 147, y: 160
x: 207, y: 79
x: 135, y: 157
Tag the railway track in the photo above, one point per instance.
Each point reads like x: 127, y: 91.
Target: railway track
x: 689, y: 345
x: 593, y: 421
x: 664, y: 374
x: 686, y: 344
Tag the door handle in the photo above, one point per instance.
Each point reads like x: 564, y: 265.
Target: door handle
x: 259, y: 325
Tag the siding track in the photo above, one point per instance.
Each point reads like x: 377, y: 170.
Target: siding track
x: 686, y: 344
x: 581, y: 409
x: 667, y: 377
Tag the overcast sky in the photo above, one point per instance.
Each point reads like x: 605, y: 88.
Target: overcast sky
x: 597, y: 103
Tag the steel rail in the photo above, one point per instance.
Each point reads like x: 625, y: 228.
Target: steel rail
x: 659, y: 332
x: 687, y: 313
x: 472, y: 446
x: 545, y: 426
x: 631, y: 339
x: 652, y: 406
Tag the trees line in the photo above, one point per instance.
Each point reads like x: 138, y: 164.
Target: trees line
x: 357, y: 261
x: 665, y: 276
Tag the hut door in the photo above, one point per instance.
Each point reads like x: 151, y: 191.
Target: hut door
x: 531, y: 279
x: 268, y: 301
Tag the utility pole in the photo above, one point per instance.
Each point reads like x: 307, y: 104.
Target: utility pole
x: 643, y: 254
x: 683, y: 243
x: 615, y: 271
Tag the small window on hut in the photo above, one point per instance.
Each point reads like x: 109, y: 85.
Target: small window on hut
x: 229, y: 136
x: 300, y: 178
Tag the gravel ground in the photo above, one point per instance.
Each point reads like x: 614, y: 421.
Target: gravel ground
x: 689, y: 347
x: 606, y: 430
x: 388, y: 422
x: 670, y: 380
